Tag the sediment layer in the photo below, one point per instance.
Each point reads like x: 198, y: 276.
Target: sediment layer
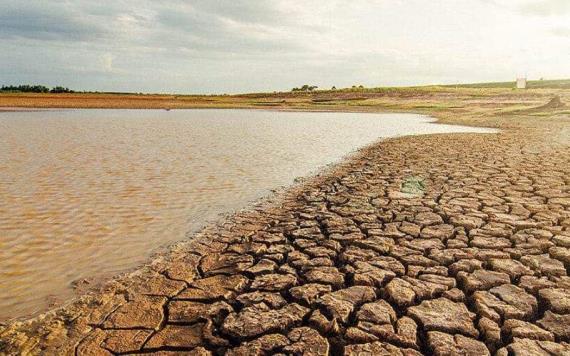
x: 473, y: 260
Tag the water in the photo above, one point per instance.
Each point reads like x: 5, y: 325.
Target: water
x: 85, y: 193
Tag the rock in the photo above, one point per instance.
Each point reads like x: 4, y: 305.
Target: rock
x: 379, y: 312
x: 535, y: 284
x: 400, y: 292
x: 341, y: 303
x: 437, y: 279
x: 454, y: 294
x: 562, y: 240
x: 557, y: 299
x: 325, y: 275
x: 517, y: 298
x: 467, y: 221
x: 444, y: 315
x: 366, y: 274
x: 482, y: 280
x: 444, y: 344
x: 390, y: 264
x: 254, y: 321
x: 544, y: 264
x: 426, y: 289
x: 177, y: 336
x: 428, y: 218
x: 406, y: 333
x: 525, y: 347
x: 306, y: 341
x: 274, y: 282
x: 491, y: 306
x: 323, y: 324
x: 142, y: 312
x: 215, y: 287
x: 273, y: 300
x: 89, y: 345
x: 263, y: 345
x: 491, y: 332
x: 377, y: 349
x: 264, y: 266
x: 309, y: 293
x: 183, y: 311
x: 489, y: 242
x: 524, y: 330
x: 378, y: 244
x: 359, y: 336
x: 410, y: 229
x: 350, y: 237
x: 128, y: 340
x: 184, y: 269
x: 513, y: 268
x: 466, y: 265
x: 227, y: 263
x: 156, y: 284
x: 561, y: 254
x: 557, y: 324
x: 442, y: 232
x: 423, y: 245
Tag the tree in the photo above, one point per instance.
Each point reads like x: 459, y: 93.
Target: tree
x: 305, y: 87
x: 59, y: 89
x: 34, y: 89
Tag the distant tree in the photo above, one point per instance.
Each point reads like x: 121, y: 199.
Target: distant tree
x: 34, y: 89
x: 333, y: 88
x: 59, y: 89
x: 305, y: 87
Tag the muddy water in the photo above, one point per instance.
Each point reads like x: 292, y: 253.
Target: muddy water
x: 85, y: 193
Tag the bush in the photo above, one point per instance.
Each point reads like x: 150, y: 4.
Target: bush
x: 34, y: 89
x: 305, y: 87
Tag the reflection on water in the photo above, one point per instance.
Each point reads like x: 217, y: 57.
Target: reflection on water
x: 91, y: 192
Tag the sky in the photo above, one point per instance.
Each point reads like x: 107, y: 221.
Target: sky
x: 236, y: 46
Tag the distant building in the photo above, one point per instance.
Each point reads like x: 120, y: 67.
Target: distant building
x: 521, y: 83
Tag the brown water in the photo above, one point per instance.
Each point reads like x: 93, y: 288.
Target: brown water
x: 85, y: 193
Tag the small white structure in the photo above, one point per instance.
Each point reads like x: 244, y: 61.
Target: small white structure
x: 521, y: 83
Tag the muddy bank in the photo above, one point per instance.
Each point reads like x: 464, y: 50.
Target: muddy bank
x: 418, y: 245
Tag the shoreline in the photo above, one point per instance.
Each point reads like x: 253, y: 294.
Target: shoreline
x: 93, y: 284
x: 178, y: 270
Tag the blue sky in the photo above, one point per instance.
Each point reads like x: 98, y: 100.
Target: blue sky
x: 230, y: 46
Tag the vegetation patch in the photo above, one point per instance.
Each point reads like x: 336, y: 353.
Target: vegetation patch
x: 413, y: 185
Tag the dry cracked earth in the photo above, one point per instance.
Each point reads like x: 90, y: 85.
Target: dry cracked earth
x: 348, y: 263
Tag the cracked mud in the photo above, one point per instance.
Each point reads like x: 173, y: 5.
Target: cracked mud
x: 349, y: 264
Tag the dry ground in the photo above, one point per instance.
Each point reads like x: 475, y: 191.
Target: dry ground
x: 473, y: 261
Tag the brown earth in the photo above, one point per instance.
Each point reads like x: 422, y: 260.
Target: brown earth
x: 474, y: 262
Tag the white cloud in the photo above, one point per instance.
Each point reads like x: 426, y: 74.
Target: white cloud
x: 107, y: 62
x: 246, y: 45
x: 546, y: 7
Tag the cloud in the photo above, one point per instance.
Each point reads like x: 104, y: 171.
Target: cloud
x: 545, y: 8
x: 107, y: 62
x: 47, y: 21
x: 561, y: 31
x: 248, y: 45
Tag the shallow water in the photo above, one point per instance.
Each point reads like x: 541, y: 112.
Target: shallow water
x: 85, y: 193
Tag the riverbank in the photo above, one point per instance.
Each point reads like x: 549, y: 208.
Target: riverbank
x: 423, y: 244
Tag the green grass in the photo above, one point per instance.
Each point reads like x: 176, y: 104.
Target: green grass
x: 531, y: 84
x: 413, y: 185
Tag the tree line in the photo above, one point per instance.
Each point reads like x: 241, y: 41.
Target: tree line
x: 34, y: 89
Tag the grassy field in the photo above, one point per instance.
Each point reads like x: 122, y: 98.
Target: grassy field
x: 469, y: 103
x: 531, y: 84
